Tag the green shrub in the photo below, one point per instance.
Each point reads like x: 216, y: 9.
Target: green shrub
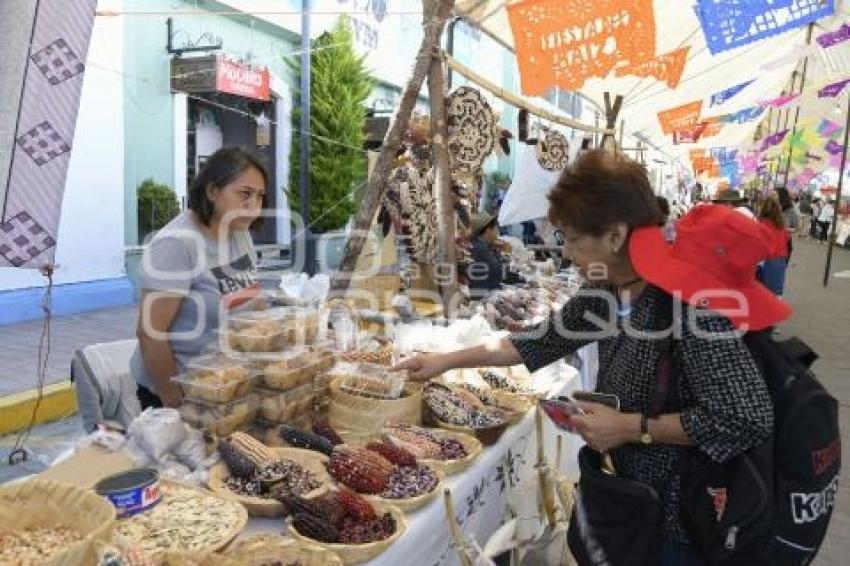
x: 157, y: 206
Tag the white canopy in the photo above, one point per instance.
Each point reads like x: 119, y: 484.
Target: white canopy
x: 705, y: 74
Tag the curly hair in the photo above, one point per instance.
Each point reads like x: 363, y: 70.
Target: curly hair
x: 600, y: 189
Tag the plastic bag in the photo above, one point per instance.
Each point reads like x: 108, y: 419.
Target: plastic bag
x: 157, y: 432
x: 110, y: 439
x: 192, y: 451
x: 304, y: 288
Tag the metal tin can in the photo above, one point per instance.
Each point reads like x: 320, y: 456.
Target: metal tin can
x: 132, y: 491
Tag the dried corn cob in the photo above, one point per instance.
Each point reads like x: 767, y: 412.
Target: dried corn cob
x: 395, y: 454
x: 303, y: 439
x: 316, y: 528
x: 372, y: 460
x: 356, y: 506
x: 469, y: 397
x: 417, y: 445
x: 243, y: 454
x: 323, y: 428
x: 332, y: 507
x: 357, y: 474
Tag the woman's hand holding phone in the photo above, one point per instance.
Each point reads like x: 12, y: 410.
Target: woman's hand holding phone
x: 602, y: 427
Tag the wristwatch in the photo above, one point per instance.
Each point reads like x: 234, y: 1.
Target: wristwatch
x: 645, y: 437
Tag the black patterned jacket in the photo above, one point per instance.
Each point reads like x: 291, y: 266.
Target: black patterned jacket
x: 726, y: 408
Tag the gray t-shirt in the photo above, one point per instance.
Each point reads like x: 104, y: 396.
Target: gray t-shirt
x: 215, y: 277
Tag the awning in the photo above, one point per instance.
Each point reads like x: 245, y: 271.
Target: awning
x: 704, y: 74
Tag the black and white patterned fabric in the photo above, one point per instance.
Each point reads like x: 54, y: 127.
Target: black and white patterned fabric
x: 553, y: 151
x: 473, y: 130
x: 410, y: 201
x: 726, y: 405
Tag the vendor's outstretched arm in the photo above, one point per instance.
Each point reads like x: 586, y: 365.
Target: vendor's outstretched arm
x: 500, y: 352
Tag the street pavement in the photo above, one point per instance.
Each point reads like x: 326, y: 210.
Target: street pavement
x: 821, y: 318
x: 19, y: 355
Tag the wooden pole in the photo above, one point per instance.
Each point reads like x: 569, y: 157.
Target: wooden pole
x: 517, y: 101
x: 446, y: 258
x: 797, y: 112
x: 436, y: 13
x: 457, y: 535
x: 612, y: 111
x: 837, y: 198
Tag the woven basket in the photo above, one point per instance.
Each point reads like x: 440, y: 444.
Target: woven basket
x: 259, y: 507
x: 445, y: 467
x: 357, y: 553
x: 409, y: 504
x: 512, y: 402
x: 451, y: 467
x: 367, y: 415
x: 225, y: 539
x: 258, y: 551
x: 41, y: 503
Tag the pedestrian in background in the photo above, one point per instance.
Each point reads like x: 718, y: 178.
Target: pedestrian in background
x: 814, y: 227
x: 771, y: 272
x: 803, y: 215
x: 825, y: 218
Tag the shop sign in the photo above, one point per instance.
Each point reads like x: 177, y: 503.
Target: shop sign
x: 243, y: 80
x: 193, y: 74
x: 219, y: 74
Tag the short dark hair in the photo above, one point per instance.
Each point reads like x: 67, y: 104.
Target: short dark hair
x: 601, y: 189
x: 222, y: 168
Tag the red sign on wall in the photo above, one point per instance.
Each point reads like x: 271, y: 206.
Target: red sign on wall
x: 242, y: 80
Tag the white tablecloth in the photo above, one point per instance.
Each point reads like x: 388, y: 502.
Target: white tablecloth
x: 481, y: 492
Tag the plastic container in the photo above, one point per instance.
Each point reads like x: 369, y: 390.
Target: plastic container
x: 284, y: 406
x: 295, y: 368
x: 215, y: 378
x: 302, y: 324
x: 271, y: 330
x: 369, y: 380
x: 220, y: 420
x: 278, y: 407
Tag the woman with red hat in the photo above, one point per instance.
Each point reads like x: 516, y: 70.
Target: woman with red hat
x: 605, y: 207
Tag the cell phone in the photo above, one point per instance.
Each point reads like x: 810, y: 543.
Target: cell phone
x: 561, y: 411
x: 606, y: 399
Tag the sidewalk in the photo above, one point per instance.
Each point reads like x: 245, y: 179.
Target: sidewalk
x: 19, y: 355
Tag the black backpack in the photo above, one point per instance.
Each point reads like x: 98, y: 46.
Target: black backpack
x: 772, y: 504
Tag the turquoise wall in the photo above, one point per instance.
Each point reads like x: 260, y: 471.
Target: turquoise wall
x: 148, y: 101
x: 149, y: 112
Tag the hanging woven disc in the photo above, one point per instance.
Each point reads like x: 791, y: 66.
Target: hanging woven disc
x: 472, y: 129
x: 553, y: 151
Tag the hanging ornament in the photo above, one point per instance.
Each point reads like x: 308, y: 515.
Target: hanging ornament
x: 553, y: 151
x: 472, y: 129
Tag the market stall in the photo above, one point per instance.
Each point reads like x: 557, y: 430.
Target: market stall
x: 490, y: 485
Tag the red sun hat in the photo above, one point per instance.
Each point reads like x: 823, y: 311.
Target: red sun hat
x: 712, y: 265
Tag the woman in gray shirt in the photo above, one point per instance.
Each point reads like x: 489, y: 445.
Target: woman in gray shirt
x: 198, y: 267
